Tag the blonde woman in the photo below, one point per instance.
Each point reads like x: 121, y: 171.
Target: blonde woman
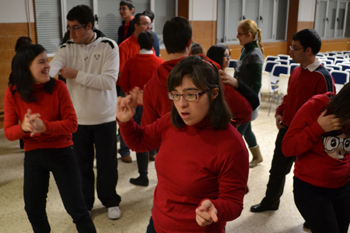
x: 248, y: 69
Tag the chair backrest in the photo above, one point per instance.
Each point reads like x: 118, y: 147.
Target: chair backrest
x: 335, y: 67
x: 265, y: 83
x: 329, y: 62
x: 340, y: 77
x: 330, y: 69
x: 283, y: 62
x: 331, y: 54
x: 344, y: 66
x: 280, y: 69
x: 270, y: 58
x: 292, y: 66
x: 291, y: 61
x: 232, y: 63
x: 283, y: 84
x: 230, y: 71
x: 331, y: 58
x: 339, y: 61
x: 269, y: 65
x: 277, y: 70
x: 283, y: 56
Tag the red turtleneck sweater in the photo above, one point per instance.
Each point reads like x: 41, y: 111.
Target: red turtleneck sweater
x: 193, y: 163
x: 56, y: 111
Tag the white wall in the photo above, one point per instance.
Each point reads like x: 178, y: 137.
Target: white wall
x: 306, y: 10
x: 15, y: 11
x: 202, y: 10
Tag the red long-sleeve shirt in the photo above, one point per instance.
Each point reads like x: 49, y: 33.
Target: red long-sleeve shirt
x: 193, y: 163
x: 302, y: 85
x: 56, y: 111
x: 138, y: 70
x: 156, y: 102
x: 304, y: 140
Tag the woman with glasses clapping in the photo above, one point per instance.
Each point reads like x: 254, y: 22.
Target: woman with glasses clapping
x: 202, y: 163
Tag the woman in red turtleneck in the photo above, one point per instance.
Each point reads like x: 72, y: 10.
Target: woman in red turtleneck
x: 47, y: 119
x: 202, y: 163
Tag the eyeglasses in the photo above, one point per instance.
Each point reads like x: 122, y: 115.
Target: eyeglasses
x: 75, y: 28
x: 187, y: 96
x: 241, y: 34
x: 123, y: 8
x: 294, y: 49
x: 146, y: 24
x: 332, y: 143
x: 227, y: 55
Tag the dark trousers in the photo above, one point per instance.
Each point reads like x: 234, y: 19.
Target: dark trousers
x: 246, y: 131
x: 150, y: 227
x: 325, y: 210
x: 101, y: 138
x: 64, y: 167
x: 142, y: 158
x: 280, y: 167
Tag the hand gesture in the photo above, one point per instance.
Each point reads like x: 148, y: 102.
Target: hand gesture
x: 32, y: 123
x: 126, y: 107
x: 329, y: 123
x: 206, y: 213
x: 279, y: 121
x: 68, y: 73
x: 227, y: 79
x: 138, y: 94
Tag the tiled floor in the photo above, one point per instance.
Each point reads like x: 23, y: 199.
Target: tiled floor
x: 137, y: 201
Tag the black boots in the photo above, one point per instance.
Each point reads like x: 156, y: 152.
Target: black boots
x: 142, y: 163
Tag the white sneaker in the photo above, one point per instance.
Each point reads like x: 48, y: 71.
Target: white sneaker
x: 114, y: 212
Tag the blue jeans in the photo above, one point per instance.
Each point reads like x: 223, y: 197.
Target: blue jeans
x: 324, y: 209
x: 101, y: 138
x: 64, y: 167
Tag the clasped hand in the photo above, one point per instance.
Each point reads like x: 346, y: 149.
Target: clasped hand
x: 32, y: 123
x: 126, y: 106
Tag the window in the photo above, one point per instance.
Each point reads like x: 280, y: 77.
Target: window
x: 51, y: 18
x: 331, y: 18
x: 270, y: 15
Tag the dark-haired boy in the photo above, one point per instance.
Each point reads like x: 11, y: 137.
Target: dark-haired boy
x: 311, y: 78
x: 126, y: 11
x: 90, y: 65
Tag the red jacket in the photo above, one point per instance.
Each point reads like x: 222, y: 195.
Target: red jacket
x: 304, y: 140
x: 56, y: 111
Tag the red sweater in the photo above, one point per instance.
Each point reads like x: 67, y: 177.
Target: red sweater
x: 304, y: 139
x: 56, y: 110
x: 138, y: 70
x: 127, y: 49
x: 193, y: 163
x: 156, y: 102
x: 302, y: 85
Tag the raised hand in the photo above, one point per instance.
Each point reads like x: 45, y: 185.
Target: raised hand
x: 329, y: 123
x: 206, y: 213
x: 126, y: 107
x: 138, y: 94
